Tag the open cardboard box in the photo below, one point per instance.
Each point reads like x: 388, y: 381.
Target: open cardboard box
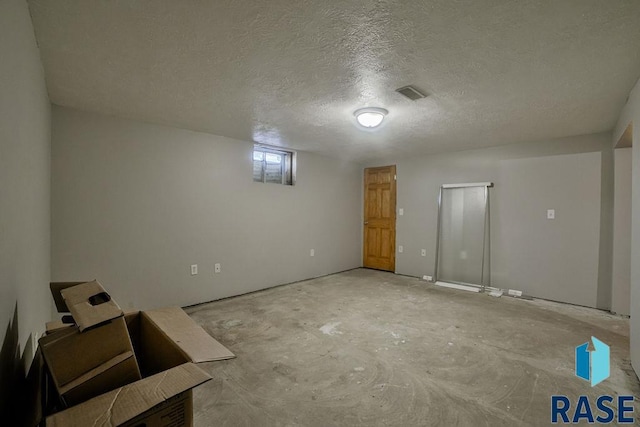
x: 86, y: 364
x: 95, y: 354
x: 167, y: 344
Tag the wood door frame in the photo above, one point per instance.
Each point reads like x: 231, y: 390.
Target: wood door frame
x: 393, y: 218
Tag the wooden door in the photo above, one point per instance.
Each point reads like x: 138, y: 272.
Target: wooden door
x: 380, y: 218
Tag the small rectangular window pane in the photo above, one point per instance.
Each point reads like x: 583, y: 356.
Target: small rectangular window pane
x: 258, y: 155
x: 257, y: 170
x: 273, y: 173
x: 273, y: 158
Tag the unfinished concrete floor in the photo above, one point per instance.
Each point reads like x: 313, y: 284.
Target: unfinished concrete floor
x: 365, y: 347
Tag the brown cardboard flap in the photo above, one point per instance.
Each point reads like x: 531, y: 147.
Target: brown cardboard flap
x: 95, y: 372
x: 56, y: 289
x: 56, y: 325
x: 120, y: 374
x: 70, y: 354
x: 194, y: 341
x: 125, y: 403
x: 88, y: 305
x: 158, y: 351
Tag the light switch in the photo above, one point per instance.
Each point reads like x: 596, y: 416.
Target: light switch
x: 400, y: 248
x: 551, y: 213
x: 400, y: 211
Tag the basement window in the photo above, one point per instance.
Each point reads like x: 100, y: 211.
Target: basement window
x: 273, y: 165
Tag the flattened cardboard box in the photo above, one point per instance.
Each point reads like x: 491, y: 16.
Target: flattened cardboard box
x: 165, y: 342
x: 196, y: 344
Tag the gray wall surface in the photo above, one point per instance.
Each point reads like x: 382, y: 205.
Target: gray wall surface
x: 135, y: 204
x: 621, y: 276
x: 566, y: 259
x: 631, y: 114
x: 24, y: 194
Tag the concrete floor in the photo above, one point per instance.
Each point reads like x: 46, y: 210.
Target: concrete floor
x: 365, y: 347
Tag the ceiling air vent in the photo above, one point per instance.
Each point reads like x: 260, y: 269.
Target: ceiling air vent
x: 411, y: 92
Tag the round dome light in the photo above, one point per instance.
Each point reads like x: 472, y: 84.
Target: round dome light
x: 370, y: 117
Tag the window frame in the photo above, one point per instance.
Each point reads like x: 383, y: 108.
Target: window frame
x: 289, y: 163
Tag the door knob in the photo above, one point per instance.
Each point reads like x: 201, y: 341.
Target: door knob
x: 366, y: 222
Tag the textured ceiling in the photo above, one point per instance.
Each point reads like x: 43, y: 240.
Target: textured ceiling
x: 291, y: 72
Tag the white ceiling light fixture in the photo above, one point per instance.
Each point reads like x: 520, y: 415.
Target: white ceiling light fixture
x: 370, y: 117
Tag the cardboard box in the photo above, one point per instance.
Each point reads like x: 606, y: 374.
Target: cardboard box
x: 86, y: 364
x: 93, y: 357
x: 167, y: 343
x: 160, y: 400
x: 56, y: 325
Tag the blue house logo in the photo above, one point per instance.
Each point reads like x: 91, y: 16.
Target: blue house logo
x: 593, y: 365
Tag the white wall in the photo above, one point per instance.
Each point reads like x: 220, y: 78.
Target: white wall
x: 135, y: 204
x: 24, y: 191
x: 566, y: 259
x: 631, y: 113
x: 621, y: 276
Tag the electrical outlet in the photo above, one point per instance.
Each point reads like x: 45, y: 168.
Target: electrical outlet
x: 217, y: 268
x: 312, y: 252
x: 423, y: 252
x: 400, y: 249
x: 551, y: 214
x: 194, y: 269
x: 428, y: 278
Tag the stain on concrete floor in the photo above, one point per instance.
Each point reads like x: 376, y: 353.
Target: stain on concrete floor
x: 365, y: 347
